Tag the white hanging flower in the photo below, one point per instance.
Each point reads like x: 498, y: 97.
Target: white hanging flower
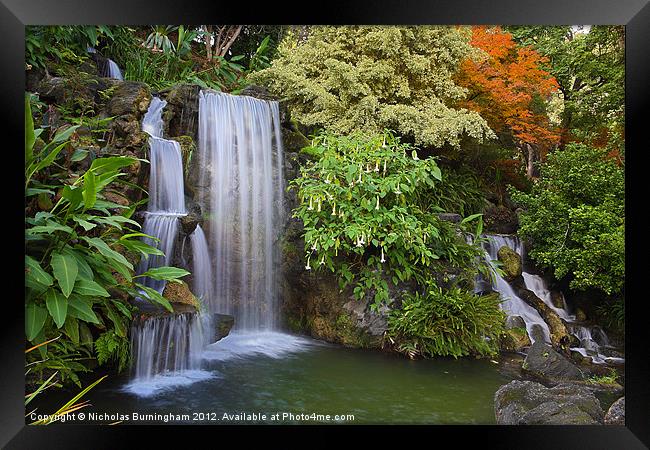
x: 313, y: 246
x: 334, y: 210
x: 311, y: 204
x: 377, y: 166
x: 384, y: 144
x: 383, y: 260
x: 322, y: 260
x: 384, y: 166
x: 319, y: 205
x: 327, y: 180
x: 377, y: 206
x: 307, y: 267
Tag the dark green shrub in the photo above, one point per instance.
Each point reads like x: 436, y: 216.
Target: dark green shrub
x: 447, y: 323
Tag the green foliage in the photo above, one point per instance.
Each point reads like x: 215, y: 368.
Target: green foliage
x: 110, y: 346
x: 590, y: 69
x: 611, y: 378
x: 575, y: 218
x: 370, y: 199
x: 447, y: 323
x: 367, y: 78
x: 63, y: 43
x: 77, y: 276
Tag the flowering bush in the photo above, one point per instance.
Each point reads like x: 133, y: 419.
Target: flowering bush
x: 369, y: 212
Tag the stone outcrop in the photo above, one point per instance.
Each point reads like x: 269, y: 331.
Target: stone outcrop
x: 560, y: 337
x: 531, y: 403
x: 616, y: 413
x: 511, y: 261
x: 179, y: 292
x: 544, y: 363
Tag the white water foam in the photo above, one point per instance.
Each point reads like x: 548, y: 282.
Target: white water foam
x: 265, y: 343
x: 148, y: 387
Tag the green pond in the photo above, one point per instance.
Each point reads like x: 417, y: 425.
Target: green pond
x: 276, y: 374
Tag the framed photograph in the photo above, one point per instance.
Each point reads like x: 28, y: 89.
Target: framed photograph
x: 386, y: 218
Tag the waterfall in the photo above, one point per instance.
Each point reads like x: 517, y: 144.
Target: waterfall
x: 512, y: 305
x: 112, y: 70
x: 240, y: 154
x: 593, y: 340
x: 166, y: 192
x: 202, y: 268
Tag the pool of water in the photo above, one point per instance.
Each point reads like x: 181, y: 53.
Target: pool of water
x: 276, y: 374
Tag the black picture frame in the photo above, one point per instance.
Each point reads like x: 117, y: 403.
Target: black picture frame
x: 15, y: 14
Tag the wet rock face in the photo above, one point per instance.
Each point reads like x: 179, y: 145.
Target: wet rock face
x: 616, y: 413
x: 180, y: 293
x: 546, y: 364
x: 500, y: 219
x: 511, y: 260
x: 515, y: 340
x: 531, y: 403
x: 181, y: 115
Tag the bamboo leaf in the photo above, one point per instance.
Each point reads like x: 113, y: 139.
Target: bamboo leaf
x: 34, y: 320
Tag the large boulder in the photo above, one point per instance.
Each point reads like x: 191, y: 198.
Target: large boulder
x: 500, y: 219
x: 511, y: 262
x: 531, y: 403
x: 544, y: 363
x: 129, y: 98
x: 616, y: 413
x: 181, y: 115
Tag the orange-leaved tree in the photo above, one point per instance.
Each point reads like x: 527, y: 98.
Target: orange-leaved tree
x: 509, y: 88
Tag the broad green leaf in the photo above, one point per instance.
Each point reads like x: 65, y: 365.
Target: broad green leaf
x: 120, y: 329
x: 71, y: 329
x: 84, y: 269
x: 89, y: 189
x: 29, y: 131
x: 84, y: 223
x: 141, y: 247
x: 64, y: 135
x: 108, y: 252
x: 101, y: 165
x: 165, y: 273
x: 81, y: 308
x: 34, y: 319
x: 124, y: 309
x: 57, y: 305
x: 65, y: 271
x: 49, y: 158
x: 79, y: 155
x: 154, y: 296
x: 90, y: 288
x: 36, y: 191
x: 73, y: 194
x: 49, y: 228
x: 35, y: 273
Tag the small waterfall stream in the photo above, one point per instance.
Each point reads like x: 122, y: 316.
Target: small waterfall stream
x: 164, y: 345
x: 593, y: 339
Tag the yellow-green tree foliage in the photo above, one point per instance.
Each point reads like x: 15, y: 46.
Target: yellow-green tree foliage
x: 368, y: 78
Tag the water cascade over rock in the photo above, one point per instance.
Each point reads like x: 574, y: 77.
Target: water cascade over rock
x: 594, y: 343
x: 240, y: 156
x: 512, y: 304
x: 164, y: 344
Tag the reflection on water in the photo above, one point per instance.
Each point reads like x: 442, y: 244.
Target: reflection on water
x: 273, y: 373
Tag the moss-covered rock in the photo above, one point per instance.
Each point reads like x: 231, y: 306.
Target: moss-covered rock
x: 181, y: 293
x: 511, y: 262
x: 514, y: 340
x: 530, y: 403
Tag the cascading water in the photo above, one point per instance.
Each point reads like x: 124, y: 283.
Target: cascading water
x: 240, y: 153
x: 112, y: 70
x: 166, y: 193
x: 202, y: 268
x: 167, y: 345
x: 512, y: 305
x: 593, y: 340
